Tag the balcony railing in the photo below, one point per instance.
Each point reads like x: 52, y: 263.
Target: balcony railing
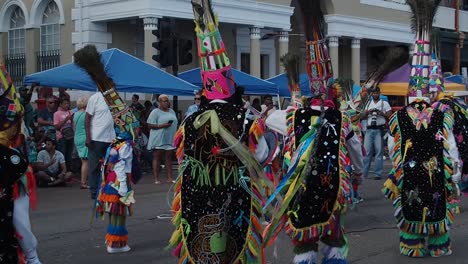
x: 47, y: 59
x: 16, y: 66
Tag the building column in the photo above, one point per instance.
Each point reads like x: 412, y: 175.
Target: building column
x: 150, y: 24
x: 255, y: 51
x: 356, y: 61
x: 333, y: 44
x: 283, y: 46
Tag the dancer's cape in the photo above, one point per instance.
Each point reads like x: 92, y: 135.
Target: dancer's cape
x: 217, y: 203
x: 420, y: 182
x: 460, y: 131
x: 312, y: 197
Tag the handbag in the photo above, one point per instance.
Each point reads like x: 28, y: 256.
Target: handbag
x: 68, y: 133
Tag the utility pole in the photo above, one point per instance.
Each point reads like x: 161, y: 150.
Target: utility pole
x: 456, y: 53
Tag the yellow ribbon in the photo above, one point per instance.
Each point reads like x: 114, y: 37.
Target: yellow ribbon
x: 239, y: 149
x: 408, y: 145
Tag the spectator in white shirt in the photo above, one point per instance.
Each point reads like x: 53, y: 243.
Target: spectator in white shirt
x: 99, y: 126
x: 375, y: 115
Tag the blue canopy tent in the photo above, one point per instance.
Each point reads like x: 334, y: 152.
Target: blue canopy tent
x: 129, y: 74
x: 252, y: 84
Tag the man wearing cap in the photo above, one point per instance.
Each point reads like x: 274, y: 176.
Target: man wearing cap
x: 376, y: 114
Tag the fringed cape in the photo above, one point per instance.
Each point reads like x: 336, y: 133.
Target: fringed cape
x: 217, y: 203
x: 460, y: 131
x: 313, y: 200
x: 420, y: 182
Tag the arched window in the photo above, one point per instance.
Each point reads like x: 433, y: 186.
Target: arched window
x: 16, y: 42
x: 50, y: 28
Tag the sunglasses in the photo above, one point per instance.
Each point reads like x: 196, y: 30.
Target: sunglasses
x: 197, y: 98
x: 51, y: 102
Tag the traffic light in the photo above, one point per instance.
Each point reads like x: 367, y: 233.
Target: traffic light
x: 165, y: 44
x: 166, y: 52
x: 185, y: 51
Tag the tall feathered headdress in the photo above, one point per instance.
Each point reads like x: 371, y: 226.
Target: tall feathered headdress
x: 11, y: 109
x: 319, y: 67
x: 89, y: 59
x: 423, y: 13
x: 291, y: 67
x: 218, y: 81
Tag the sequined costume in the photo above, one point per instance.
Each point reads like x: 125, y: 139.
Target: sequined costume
x: 217, y: 203
x: 421, y: 182
x: 460, y: 131
x: 320, y: 144
x: 17, y: 242
x: 316, y: 188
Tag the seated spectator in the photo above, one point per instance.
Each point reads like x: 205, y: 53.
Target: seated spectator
x: 51, y: 168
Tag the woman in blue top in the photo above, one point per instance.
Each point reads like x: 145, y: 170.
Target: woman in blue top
x: 162, y: 123
x: 80, y: 138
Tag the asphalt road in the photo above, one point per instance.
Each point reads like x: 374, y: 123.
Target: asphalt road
x: 62, y: 224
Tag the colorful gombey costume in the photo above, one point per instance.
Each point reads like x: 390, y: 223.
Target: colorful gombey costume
x: 424, y: 150
x: 420, y: 182
x: 116, y: 195
x: 316, y: 188
x: 12, y: 167
x: 119, y: 170
x: 460, y: 131
x: 313, y: 195
x: 17, y: 183
x: 217, y: 202
x: 447, y: 102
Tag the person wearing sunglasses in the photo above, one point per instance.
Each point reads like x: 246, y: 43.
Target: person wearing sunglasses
x: 45, y: 117
x: 195, y: 106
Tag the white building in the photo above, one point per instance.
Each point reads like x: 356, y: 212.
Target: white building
x: 39, y: 34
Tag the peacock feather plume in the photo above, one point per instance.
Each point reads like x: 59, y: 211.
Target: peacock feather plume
x: 422, y: 18
x: 291, y: 67
x: 89, y: 59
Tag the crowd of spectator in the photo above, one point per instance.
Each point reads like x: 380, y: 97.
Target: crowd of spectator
x: 62, y: 139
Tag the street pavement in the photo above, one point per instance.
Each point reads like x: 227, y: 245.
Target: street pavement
x: 62, y: 224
